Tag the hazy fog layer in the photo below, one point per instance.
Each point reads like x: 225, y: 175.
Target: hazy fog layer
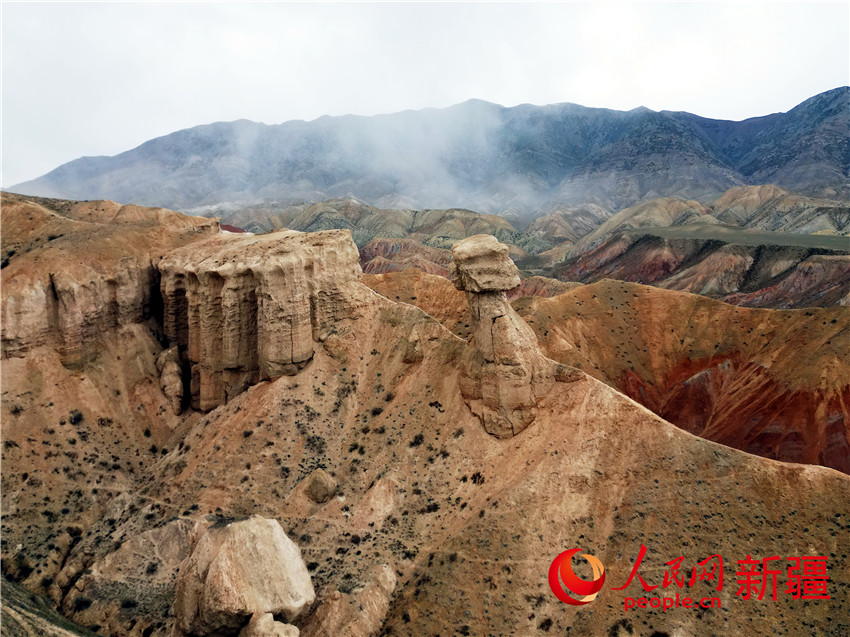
x: 98, y: 79
x: 525, y: 160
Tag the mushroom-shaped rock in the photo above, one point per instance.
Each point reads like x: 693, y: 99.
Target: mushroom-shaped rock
x: 237, y: 570
x: 506, y: 373
x: 482, y: 264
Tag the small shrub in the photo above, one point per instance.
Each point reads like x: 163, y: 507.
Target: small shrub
x: 81, y: 603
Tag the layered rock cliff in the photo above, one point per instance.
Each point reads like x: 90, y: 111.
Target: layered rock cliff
x: 238, y: 308
x: 241, y: 310
x: 77, y: 270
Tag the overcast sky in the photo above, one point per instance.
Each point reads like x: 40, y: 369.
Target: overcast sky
x: 100, y: 78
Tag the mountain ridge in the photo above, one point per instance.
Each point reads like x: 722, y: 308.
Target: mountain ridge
x: 476, y: 155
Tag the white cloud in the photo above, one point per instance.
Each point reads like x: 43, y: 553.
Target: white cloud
x: 84, y: 79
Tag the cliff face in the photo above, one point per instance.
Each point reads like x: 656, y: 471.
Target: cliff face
x: 75, y: 271
x: 241, y: 310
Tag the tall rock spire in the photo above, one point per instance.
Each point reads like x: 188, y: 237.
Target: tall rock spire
x: 507, y: 374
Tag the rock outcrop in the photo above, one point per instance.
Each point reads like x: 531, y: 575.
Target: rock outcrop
x: 507, y: 374
x: 246, y: 309
x: 264, y: 625
x: 320, y: 486
x: 26, y: 615
x: 238, y: 308
x: 74, y: 271
x: 237, y: 570
x: 170, y: 378
x: 142, y: 569
x: 358, y: 614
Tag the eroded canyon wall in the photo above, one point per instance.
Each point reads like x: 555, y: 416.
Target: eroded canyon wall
x: 241, y: 310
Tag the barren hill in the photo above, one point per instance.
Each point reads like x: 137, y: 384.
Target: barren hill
x: 427, y: 480
x: 726, y: 373
x: 759, y: 270
x: 756, y: 246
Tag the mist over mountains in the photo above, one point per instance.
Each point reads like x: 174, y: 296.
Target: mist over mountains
x: 526, y: 159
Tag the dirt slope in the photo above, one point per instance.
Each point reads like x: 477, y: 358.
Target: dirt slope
x: 729, y: 374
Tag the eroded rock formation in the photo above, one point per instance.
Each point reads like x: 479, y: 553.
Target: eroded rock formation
x: 320, y: 486
x: 242, y: 310
x: 170, y: 378
x: 239, y: 308
x: 264, y: 625
x: 105, y: 491
x: 358, y: 614
x: 507, y: 374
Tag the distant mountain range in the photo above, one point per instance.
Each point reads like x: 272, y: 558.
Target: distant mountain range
x: 526, y: 160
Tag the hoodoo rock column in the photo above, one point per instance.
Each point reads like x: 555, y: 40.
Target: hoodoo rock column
x: 507, y: 374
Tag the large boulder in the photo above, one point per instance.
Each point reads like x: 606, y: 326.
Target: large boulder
x: 239, y: 569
